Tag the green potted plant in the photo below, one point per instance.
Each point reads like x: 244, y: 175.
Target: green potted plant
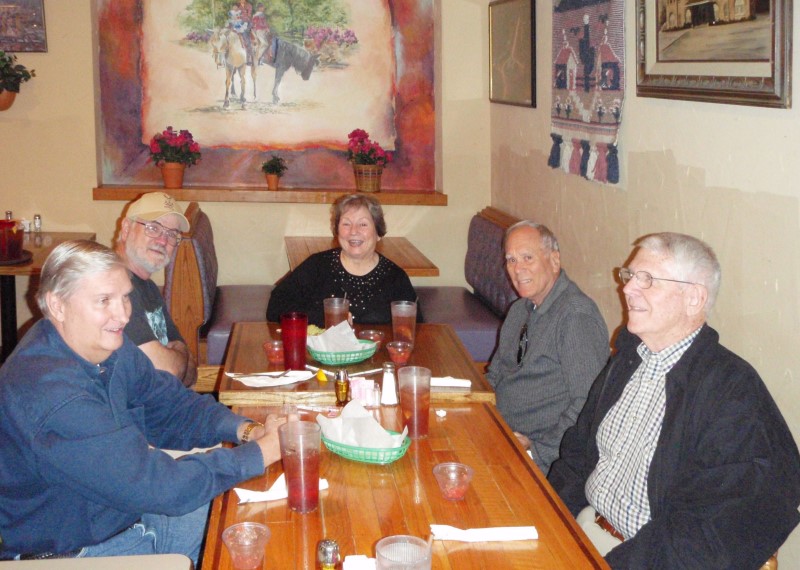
x: 274, y: 168
x: 12, y: 75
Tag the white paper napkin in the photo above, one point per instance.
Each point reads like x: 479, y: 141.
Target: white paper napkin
x: 261, y: 381
x: 450, y: 382
x: 340, y: 338
x: 493, y: 534
x: 356, y: 426
x: 358, y: 562
x: 277, y: 491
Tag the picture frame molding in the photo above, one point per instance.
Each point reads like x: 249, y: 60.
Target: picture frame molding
x: 531, y: 63
x: 763, y: 91
x: 40, y: 46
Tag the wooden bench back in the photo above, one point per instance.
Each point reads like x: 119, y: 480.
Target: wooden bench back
x: 190, y: 281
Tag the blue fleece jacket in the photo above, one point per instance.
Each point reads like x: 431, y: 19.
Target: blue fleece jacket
x: 79, y: 459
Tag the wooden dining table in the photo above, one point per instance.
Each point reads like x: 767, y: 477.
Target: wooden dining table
x: 398, y: 249
x: 436, y: 347
x: 365, y: 502
x: 36, y: 246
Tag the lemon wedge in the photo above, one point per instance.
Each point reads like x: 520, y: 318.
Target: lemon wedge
x: 321, y: 376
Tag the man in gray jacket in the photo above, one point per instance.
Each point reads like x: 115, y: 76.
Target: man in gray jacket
x: 552, y: 344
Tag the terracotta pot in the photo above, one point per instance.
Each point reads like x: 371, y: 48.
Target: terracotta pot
x: 7, y: 99
x: 272, y: 181
x: 368, y: 177
x: 172, y: 173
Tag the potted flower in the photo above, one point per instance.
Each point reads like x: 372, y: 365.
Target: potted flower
x: 368, y: 158
x: 274, y: 168
x: 173, y: 151
x: 12, y: 75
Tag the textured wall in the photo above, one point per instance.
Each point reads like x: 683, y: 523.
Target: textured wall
x: 727, y: 174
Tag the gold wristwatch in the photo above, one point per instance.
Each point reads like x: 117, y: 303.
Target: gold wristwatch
x: 247, y: 429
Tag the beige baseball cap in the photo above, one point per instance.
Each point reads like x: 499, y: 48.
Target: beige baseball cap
x: 152, y: 206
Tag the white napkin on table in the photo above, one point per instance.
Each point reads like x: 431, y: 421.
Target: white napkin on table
x: 277, y: 491
x: 358, y: 562
x: 356, y: 426
x: 262, y: 381
x: 340, y: 338
x: 450, y: 382
x: 493, y: 534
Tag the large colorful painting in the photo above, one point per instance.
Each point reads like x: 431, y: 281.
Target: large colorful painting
x: 252, y: 79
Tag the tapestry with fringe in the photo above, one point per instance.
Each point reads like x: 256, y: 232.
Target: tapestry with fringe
x: 588, y: 84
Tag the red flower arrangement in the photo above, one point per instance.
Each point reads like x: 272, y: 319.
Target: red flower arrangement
x: 361, y: 150
x: 174, y: 146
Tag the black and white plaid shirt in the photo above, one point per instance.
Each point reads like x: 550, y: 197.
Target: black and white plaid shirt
x: 627, y: 439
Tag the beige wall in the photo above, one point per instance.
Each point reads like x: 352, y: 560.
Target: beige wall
x: 727, y: 174
x: 47, y: 156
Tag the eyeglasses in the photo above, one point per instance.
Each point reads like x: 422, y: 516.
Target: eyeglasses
x: 523, y: 344
x: 645, y: 279
x: 156, y: 230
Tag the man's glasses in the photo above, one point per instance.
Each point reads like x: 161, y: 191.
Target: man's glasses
x: 645, y: 279
x: 523, y: 344
x: 156, y: 230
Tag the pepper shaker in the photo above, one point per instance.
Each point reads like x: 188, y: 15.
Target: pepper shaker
x: 327, y: 554
x: 37, y: 223
x: 342, y: 387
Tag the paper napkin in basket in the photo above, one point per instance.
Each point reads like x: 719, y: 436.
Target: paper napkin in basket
x: 340, y: 338
x: 356, y: 426
x: 276, y: 492
x: 492, y: 534
x: 264, y: 381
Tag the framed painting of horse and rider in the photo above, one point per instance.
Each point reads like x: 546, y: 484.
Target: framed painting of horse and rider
x: 249, y: 77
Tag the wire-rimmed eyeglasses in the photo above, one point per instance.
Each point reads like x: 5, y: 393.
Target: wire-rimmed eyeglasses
x: 156, y: 230
x: 645, y: 279
x: 523, y: 344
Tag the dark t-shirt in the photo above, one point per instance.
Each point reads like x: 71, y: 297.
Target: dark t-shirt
x: 322, y: 275
x: 150, y: 319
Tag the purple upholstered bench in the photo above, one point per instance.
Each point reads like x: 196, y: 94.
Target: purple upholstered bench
x: 203, y: 311
x: 476, y: 315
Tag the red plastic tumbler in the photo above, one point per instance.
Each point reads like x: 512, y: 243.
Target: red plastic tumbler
x: 294, y: 327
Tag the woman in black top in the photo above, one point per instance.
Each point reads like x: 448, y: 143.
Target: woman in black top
x: 369, y: 280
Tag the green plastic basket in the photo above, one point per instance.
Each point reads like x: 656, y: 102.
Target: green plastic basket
x: 367, y: 454
x: 342, y: 358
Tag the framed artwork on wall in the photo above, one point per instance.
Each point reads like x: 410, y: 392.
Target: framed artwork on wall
x: 22, y: 26
x: 733, y: 51
x: 313, y: 72
x: 512, y: 52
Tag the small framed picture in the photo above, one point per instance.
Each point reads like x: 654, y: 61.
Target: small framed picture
x: 512, y: 52
x: 22, y: 26
x: 719, y: 52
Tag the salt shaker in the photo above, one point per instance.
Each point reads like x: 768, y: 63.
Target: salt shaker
x: 342, y: 387
x: 9, y: 215
x: 389, y: 389
x: 37, y: 223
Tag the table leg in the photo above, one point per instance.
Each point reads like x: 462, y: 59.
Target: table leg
x: 8, y: 319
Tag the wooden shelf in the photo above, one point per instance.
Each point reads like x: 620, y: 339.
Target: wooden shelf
x: 254, y: 194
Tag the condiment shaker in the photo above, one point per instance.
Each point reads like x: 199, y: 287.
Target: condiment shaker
x: 389, y: 385
x: 342, y: 387
x: 37, y: 223
x: 327, y: 554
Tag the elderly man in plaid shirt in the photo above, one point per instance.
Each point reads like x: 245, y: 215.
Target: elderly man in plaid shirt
x: 680, y: 457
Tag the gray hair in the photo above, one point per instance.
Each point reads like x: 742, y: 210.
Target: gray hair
x: 70, y: 262
x: 356, y: 201
x: 694, y: 260
x: 549, y: 240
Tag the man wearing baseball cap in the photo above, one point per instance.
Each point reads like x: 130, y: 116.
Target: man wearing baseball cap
x: 149, y: 233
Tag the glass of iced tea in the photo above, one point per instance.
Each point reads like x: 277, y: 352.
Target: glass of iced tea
x: 404, y: 320
x: 300, y: 455
x: 414, y: 383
